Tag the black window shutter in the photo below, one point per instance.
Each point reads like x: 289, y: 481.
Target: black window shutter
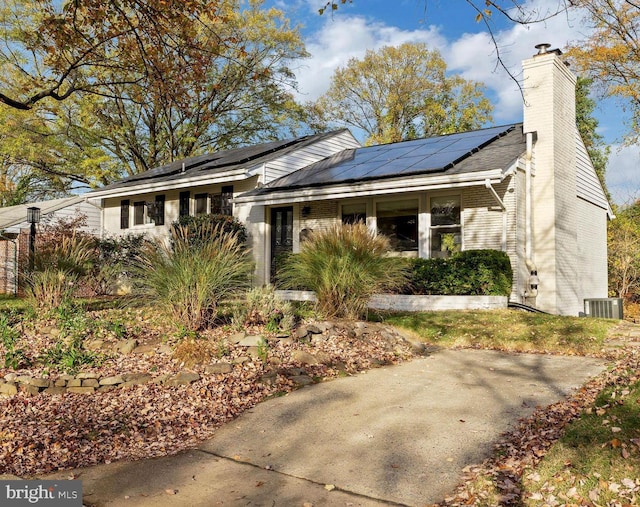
x: 124, y: 214
x: 159, y: 210
x: 184, y: 203
x: 226, y: 208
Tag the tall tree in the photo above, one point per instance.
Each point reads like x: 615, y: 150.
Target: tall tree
x: 400, y: 93
x: 62, y: 48
x: 221, y: 80
x: 587, y: 126
x: 611, y: 53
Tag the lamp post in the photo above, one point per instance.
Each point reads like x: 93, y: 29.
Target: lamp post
x: 33, y: 217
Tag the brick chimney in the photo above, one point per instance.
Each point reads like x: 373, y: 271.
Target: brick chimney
x: 550, y: 111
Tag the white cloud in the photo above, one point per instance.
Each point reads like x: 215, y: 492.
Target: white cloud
x: 471, y: 55
x: 345, y: 37
x: 623, y: 174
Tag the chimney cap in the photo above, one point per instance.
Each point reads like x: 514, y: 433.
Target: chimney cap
x: 543, y: 49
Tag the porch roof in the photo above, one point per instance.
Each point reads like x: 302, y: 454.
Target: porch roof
x: 457, y: 158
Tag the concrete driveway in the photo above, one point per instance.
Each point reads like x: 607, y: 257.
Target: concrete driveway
x: 394, y: 435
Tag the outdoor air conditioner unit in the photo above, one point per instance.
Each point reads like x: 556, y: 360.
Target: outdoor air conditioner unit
x: 604, y: 308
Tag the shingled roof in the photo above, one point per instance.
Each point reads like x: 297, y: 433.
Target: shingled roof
x: 218, y: 162
x: 455, y: 154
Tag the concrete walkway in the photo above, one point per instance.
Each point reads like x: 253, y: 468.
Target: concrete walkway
x: 394, y: 435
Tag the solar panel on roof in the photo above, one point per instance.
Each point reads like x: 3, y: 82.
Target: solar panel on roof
x: 416, y: 156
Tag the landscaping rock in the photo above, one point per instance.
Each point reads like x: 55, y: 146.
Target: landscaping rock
x: 74, y: 382
x: 314, y: 329
x: 60, y: 383
x: 160, y: 379
x: 300, y: 356
x: 242, y: 359
x: 8, y: 389
x: 302, y: 380
x: 184, y: 378
x: 218, y: 368
x: 110, y: 381
x: 126, y: 347
x: 251, y: 341
x: 144, y: 349
x: 91, y: 382
x: 29, y: 389
x: 54, y: 390
x: 40, y: 382
x: 301, y: 333
x: 10, y: 377
x: 87, y: 375
x: 81, y: 390
x: 253, y: 351
x: 140, y: 378
x: 237, y: 337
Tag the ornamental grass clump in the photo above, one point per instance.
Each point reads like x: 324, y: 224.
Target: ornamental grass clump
x: 190, y: 280
x: 344, y: 265
x: 57, y: 268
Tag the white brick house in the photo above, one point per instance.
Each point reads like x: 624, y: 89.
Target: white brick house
x: 528, y: 189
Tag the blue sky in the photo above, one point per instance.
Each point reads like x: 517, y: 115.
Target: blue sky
x: 450, y: 27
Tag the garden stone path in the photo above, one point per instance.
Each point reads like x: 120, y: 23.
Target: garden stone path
x: 397, y: 435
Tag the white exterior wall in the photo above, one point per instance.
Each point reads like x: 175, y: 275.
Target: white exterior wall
x: 591, y: 263
x: 111, y: 208
x: 309, y: 155
x: 549, y: 97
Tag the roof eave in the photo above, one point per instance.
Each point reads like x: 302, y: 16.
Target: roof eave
x: 377, y: 187
x: 161, y: 186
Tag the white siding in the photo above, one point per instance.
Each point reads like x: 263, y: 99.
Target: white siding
x: 309, y: 155
x: 588, y: 184
x: 592, y: 251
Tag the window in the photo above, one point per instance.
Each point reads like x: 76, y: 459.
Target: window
x: 200, y: 204
x: 398, y: 220
x: 221, y: 203
x: 184, y: 203
x: 446, y: 230
x: 124, y: 214
x: 138, y: 213
x: 155, y: 210
x: 354, y: 213
x: 149, y: 212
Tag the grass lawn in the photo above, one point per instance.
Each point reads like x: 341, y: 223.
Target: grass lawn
x: 510, y: 330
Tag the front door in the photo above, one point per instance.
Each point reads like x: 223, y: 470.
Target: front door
x: 281, y: 236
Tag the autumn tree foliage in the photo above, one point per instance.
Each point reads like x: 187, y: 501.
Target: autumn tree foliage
x: 610, y: 55
x: 92, y: 91
x: 624, y: 252
x: 587, y: 126
x: 400, y: 93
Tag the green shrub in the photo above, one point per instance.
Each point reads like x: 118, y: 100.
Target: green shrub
x: 471, y: 272
x: 344, y: 265
x: 196, y: 229
x: 116, y: 263
x: 189, y: 278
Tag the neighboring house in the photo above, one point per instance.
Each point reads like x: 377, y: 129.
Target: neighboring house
x: 528, y: 189
x: 14, y: 231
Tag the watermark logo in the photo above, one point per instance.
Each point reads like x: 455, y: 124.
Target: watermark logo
x: 41, y: 493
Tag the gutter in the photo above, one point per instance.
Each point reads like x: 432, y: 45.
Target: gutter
x: 346, y: 190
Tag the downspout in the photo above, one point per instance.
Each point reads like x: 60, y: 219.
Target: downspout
x: 531, y: 290
x: 503, y: 208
